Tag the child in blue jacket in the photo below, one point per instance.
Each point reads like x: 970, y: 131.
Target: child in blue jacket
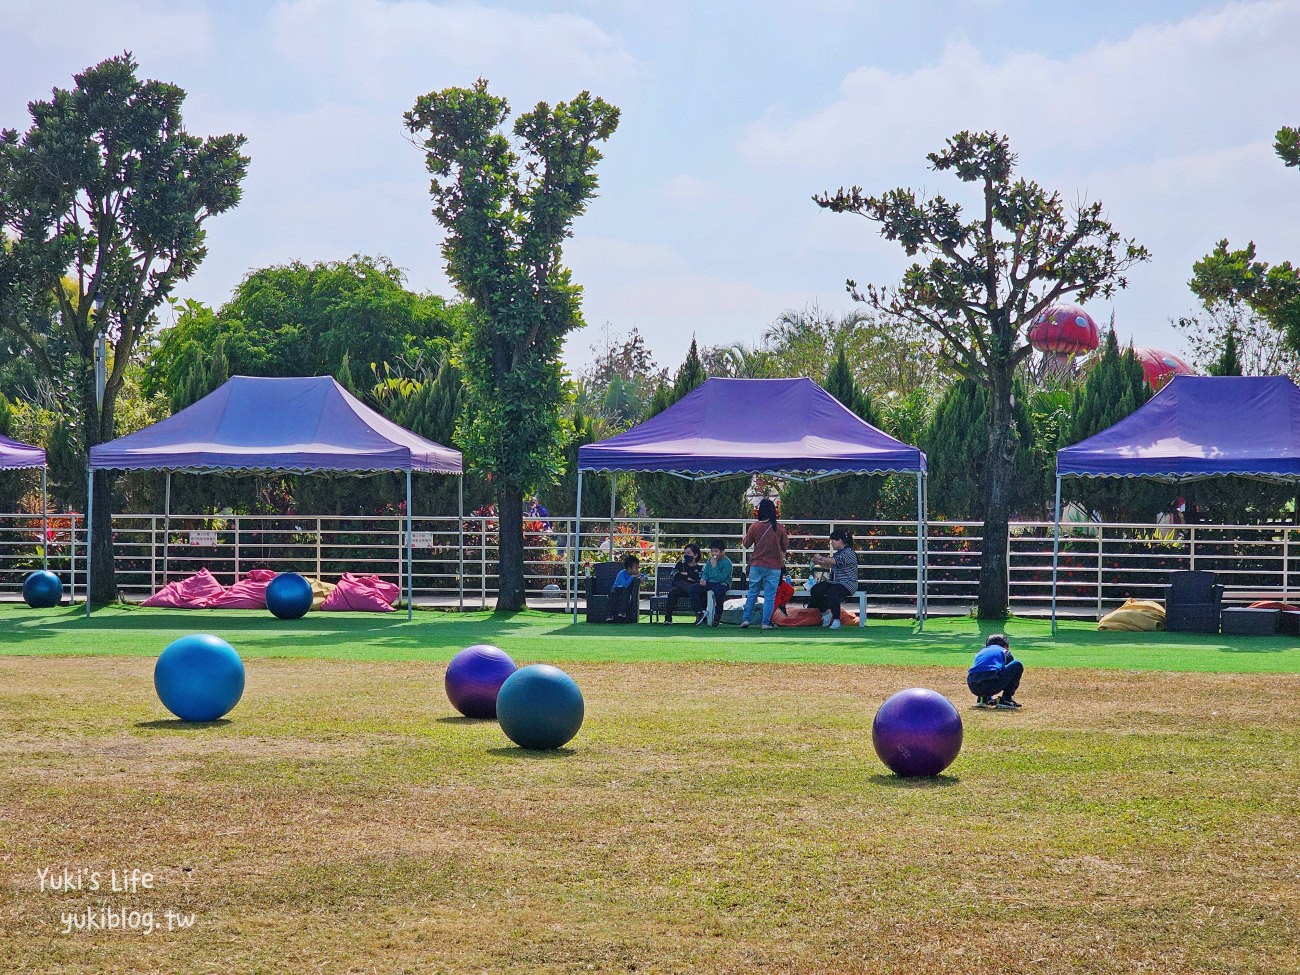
x: 995, y: 672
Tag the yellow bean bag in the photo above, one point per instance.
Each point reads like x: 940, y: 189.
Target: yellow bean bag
x: 320, y: 589
x: 1136, y: 615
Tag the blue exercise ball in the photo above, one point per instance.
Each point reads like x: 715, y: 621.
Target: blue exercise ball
x: 199, y: 677
x: 42, y: 589
x: 474, y: 677
x: 540, y: 707
x: 917, y: 732
x: 289, y: 596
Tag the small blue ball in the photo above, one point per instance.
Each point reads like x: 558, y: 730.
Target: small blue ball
x: 199, y: 677
x: 42, y: 589
x: 540, y: 707
x: 289, y: 596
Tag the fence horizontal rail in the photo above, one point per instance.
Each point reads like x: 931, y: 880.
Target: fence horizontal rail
x: 1100, y: 564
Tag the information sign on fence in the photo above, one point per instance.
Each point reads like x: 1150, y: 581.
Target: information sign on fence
x: 203, y: 537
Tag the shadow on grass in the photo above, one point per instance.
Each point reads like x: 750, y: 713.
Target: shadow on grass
x: 930, y: 782
x: 463, y: 720
x: 176, y: 724
x: 532, y: 755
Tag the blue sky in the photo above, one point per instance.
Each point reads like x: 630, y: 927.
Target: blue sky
x: 734, y: 115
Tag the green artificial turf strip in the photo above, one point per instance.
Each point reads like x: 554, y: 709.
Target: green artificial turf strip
x: 536, y: 636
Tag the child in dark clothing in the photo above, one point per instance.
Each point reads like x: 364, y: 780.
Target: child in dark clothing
x: 995, y: 672
x: 621, y: 609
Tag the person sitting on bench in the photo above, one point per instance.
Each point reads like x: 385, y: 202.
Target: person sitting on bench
x: 621, y: 609
x: 686, y: 579
x: 843, y: 583
x: 715, y: 577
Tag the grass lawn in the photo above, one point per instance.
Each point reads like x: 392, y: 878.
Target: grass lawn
x: 721, y: 810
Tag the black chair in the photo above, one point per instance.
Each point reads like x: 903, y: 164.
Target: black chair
x: 1193, y: 603
x: 659, y: 601
x: 599, y: 584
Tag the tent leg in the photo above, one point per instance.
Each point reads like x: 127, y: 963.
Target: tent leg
x: 410, y: 552
x: 613, y: 494
x: 460, y: 543
x: 577, y: 546
x: 90, y: 530
x: 45, y: 522
x: 167, y: 522
x: 920, y: 551
x: 1056, y: 549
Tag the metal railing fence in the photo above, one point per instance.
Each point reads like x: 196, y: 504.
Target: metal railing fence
x: 1100, y: 564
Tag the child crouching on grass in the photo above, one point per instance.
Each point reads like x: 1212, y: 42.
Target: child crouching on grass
x: 995, y: 672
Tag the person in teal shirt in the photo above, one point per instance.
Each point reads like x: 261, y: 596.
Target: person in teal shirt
x: 715, y: 577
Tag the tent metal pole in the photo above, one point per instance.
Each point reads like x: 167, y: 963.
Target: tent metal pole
x: 45, y: 522
x: 90, y: 529
x: 925, y: 484
x: 410, y: 553
x: 577, y: 545
x: 1056, y: 548
x: 613, y: 494
x: 167, y: 522
x: 920, y: 552
x: 460, y: 542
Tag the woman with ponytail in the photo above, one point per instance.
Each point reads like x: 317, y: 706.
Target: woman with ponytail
x: 770, y: 542
x: 843, y: 583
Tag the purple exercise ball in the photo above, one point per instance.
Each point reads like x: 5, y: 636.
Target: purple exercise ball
x: 917, y: 732
x: 474, y: 677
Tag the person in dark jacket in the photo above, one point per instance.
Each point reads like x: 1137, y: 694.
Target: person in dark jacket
x: 843, y: 583
x: 686, y: 578
x: 995, y: 672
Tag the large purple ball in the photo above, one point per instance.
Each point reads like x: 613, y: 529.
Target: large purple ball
x: 474, y: 677
x: 917, y: 732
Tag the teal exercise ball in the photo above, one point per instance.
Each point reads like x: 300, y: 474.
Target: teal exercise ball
x: 42, y: 589
x: 540, y: 707
x: 199, y: 677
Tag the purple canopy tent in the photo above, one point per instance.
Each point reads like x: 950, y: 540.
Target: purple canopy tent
x: 788, y: 427
x: 276, y: 426
x: 1195, y: 428
x: 16, y: 456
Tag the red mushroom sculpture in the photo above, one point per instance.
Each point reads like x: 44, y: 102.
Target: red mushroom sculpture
x: 1161, y: 366
x: 1062, y: 333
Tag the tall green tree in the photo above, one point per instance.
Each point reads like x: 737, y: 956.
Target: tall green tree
x: 983, y: 281
x: 1228, y: 363
x: 853, y: 497
x: 1288, y: 145
x: 108, y: 187
x: 506, y: 215
x: 1236, y: 278
x: 669, y: 496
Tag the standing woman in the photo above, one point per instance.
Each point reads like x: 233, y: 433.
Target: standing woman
x: 843, y: 583
x: 770, y: 542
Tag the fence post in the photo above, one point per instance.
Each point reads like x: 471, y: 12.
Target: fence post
x: 1101, y: 546
x: 72, y: 556
x: 482, y: 562
x: 236, y: 517
x: 1286, y: 563
x: 153, y: 553
x: 1191, y: 549
x: 318, y: 531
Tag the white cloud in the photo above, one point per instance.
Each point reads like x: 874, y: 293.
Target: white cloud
x: 411, y: 47
x: 1165, y: 89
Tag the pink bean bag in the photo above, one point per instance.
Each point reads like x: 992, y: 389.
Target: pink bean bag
x: 248, y: 593
x: 362, y: 593
x: 191, y: 593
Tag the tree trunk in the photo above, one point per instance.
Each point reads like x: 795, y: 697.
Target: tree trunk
x: 103, y: 579
x: 510, y: 547
x: 993, y: 588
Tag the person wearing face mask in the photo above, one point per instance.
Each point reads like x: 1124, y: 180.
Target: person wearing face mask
x: 686, y: 577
